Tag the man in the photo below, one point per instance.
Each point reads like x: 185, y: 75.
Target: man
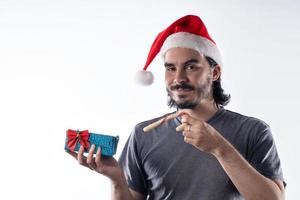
x: 206, y: 152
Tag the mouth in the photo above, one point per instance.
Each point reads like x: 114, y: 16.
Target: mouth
x: 182, y: 90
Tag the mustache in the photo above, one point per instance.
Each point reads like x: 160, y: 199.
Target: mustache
x: 182, y: 86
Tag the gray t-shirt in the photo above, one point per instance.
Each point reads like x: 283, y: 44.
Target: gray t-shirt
x: 160, y: 164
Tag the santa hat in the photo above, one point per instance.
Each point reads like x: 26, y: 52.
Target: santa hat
x: 187, y: 32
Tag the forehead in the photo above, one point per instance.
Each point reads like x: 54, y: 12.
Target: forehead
x: 181, y: 55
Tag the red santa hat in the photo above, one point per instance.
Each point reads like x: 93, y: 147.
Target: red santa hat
x: 187, y: 32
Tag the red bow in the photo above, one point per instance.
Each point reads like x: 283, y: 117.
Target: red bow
x: 77, y: 136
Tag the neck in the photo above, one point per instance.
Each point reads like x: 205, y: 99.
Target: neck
x: 205, y: 110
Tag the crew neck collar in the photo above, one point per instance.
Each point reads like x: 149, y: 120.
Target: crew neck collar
x: 209, y: 121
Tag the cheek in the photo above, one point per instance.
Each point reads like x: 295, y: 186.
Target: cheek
x: 168, y: 79
x: 204, y: 79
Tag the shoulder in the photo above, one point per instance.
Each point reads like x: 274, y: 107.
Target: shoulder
x: 245, y: 120
x: 252, y: 130
x: 253, y: 127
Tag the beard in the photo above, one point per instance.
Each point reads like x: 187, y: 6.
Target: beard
x: 202, y: 92
x: 181, y: 105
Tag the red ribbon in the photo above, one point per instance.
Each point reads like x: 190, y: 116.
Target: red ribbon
x: 77, y: 136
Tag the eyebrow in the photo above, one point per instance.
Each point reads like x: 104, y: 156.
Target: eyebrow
x: 190, y: 61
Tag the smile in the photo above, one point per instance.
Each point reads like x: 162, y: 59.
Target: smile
x: 182, y: 91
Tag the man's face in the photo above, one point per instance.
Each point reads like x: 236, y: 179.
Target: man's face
x: 188, y: 78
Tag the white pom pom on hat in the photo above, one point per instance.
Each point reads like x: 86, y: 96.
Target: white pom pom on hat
x: 187, y: 32
x: 144, y: 77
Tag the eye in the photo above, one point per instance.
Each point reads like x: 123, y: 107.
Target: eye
x: 190, y: 67
x: 170, y: 68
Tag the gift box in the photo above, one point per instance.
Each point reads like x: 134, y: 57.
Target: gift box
x: 76, y: 138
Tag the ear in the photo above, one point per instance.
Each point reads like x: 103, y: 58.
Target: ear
x: 216, y: 73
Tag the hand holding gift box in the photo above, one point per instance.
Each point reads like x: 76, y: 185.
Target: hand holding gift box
x: 78, y: 142
x: 76, y: 138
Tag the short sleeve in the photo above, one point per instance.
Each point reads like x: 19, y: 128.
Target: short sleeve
x: 264, y: 157
x: 131, y: 165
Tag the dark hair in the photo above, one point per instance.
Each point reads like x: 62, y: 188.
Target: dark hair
x: 219, y: 96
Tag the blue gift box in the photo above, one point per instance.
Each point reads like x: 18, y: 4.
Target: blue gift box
x: 107, y: 143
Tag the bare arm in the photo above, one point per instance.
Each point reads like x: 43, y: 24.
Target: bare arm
x: 110, y: 168
x: 121, y: 191
x: 250, y: 183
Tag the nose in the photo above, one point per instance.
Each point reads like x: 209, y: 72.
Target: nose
x: 180, y: 77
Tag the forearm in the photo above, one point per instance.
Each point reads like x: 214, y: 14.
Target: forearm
x: 120, y: 190
x: 249, y: 182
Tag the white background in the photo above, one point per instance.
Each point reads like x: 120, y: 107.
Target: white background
x: 70, y: 64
